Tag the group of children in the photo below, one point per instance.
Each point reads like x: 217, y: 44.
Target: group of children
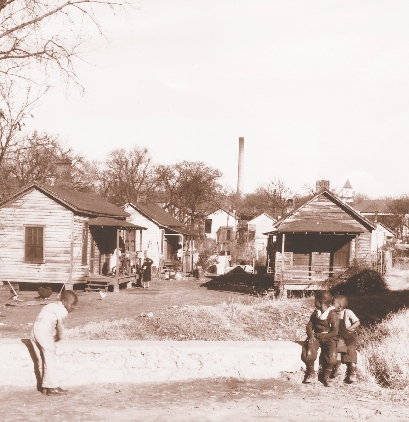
x: 329, y: 323
x: 330, y: 328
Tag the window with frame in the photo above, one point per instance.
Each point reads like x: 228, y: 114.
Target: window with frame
x: 34, y: 244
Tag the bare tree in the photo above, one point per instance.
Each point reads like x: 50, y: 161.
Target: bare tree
x: 399, y: 209
x: 128, y: 176
x: 276, y: 196
x: 32, y: 158
x: 38, y: 36
x: 187, y: 184
x: 15, y: 107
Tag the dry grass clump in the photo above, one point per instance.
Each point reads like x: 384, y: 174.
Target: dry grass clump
x: 101, y: 330
x: 251, y: 319
x: 384, y: 349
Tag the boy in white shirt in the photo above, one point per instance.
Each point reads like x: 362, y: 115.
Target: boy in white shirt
x: 48, y: 329
x: 348, y: 321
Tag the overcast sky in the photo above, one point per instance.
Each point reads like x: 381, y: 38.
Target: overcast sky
x: 318, y: 90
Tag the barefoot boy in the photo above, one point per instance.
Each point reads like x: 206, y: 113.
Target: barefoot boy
x: 348, y: 321
x: 322, y: 330
x: 47, y: 329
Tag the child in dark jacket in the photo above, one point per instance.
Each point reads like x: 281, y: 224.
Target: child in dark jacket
x: 322, y: 330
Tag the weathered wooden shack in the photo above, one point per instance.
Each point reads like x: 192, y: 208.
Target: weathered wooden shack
x: 320, y: 238
x: 54, y: 234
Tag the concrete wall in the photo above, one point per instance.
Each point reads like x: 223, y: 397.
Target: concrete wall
x: 98, y: 361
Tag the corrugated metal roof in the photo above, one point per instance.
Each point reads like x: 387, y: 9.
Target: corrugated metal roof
x: 373, y: 206
x: 322, y: 221
x: 157, y: 214
x: 87, y: 203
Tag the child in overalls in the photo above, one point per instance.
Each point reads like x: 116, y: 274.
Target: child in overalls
x: 48, y: 329
x: 348, y: 321
x: 322, y: 330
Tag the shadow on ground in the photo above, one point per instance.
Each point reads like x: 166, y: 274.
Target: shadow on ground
x: 373, y: 308
x: 237, y: 280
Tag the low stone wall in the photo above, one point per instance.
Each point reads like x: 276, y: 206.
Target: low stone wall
x: 100, y: 361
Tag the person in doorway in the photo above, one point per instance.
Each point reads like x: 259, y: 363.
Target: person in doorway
x: 48, y: 329
x: 146, y: 272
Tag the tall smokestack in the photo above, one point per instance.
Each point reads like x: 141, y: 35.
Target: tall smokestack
x: 241, y: 164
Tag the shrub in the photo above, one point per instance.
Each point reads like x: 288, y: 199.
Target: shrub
x: 206, y: 259
x: 357, y: 279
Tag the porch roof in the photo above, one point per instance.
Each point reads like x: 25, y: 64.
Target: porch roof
x: 316, y: 227
x: 113, y: 222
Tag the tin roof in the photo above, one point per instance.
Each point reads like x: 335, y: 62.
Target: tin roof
x: 372, y: 206
x: 156, y: 214
x: 88, y: 203
x: 324, y: 213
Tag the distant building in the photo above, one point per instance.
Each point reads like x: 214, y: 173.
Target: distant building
x: 347, y: 193
x: 165, y: 238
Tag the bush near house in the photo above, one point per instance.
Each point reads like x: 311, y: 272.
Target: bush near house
x: 359, y: 278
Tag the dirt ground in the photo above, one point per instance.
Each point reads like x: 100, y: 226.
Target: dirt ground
x: 16, y: 317
x: 199, y: 400
x: 206, y: 400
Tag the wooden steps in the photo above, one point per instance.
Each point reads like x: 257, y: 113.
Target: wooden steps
x: 94, y: 286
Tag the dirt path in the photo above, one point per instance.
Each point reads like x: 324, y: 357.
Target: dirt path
x: 206, y: 400
x: 16, y: 317
x: 397, y: 279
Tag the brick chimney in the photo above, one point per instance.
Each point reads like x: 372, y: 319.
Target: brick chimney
x: 63, y: 172
x: 321, y: 185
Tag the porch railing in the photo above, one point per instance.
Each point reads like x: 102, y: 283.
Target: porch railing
x: 302, y: 274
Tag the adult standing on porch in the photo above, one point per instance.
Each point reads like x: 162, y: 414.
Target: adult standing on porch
x: 146, y: 272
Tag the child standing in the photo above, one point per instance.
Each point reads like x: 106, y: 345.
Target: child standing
x: 322, y: 329
x: 48, y: 329
x: 348, y: 321
x: 146, y: 272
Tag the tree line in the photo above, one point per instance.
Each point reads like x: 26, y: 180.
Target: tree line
x: 186, y: 189
x: 41, y: 44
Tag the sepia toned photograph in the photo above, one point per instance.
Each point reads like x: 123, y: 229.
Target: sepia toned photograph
x: 204, y: 214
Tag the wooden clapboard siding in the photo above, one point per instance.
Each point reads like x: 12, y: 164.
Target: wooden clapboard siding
x: 37, y: 209
x: 79, y: 271
x: 363, y: 247
x: 328, y: 231
x: 322, y: 211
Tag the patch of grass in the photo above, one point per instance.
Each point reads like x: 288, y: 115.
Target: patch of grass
x: 250, y: 319
x: 384, y: 349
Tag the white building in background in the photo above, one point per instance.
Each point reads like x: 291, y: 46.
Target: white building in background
x: 263, y: 223
x: 380, y: 237
x: 166, y: 238
x: 217, y: 219
x: 347, y: 193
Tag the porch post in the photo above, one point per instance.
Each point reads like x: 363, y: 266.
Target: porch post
x: 183, y: 257
x: 140, y: 240
x: 116, y: 282
x: 284, y: 291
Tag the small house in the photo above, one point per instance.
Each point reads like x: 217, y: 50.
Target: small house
x: 318, y: 239
x: 166, y: 239
x: 54, y: 234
